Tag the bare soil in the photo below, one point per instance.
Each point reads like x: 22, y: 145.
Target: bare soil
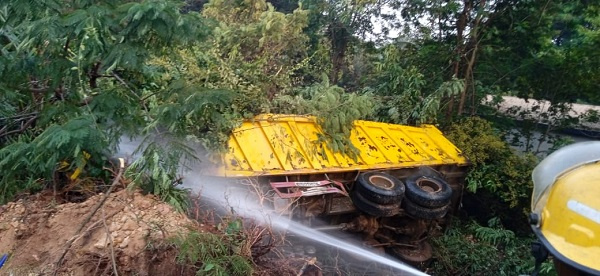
x: 129, y: 235
x: 130, y: 232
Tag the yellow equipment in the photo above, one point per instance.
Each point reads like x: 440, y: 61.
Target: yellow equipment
x: 566, y: 206
x: 64, y: 165
x: 397, y: 191
x: 276, y: 144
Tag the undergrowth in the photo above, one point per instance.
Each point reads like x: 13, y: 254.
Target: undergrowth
x: 51, y: 158
x: 499, y: 182
x: 211, y: 254
x: 494, y: 237
x: 157, y: 172
x: 232, y: 247
x: 468, y: 248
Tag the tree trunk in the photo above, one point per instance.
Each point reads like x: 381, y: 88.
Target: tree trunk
x: 472, y: 49
x: 468, y: 79
x: 461, y: 24
x: 339, y: 36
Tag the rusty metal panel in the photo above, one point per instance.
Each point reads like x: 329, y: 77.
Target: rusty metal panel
x: 272, y: 144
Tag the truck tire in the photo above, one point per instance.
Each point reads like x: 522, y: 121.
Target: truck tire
x: 380, y: 187
x: 428, y: 191
x: 423, y: 212
x: 415, y: 255
x: 373, y: 208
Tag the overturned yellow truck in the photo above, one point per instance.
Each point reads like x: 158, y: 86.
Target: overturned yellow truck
x: 399, y: 190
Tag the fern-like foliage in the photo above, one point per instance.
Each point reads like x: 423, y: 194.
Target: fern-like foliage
x: 335, y: 110
x: 213, y: 254
x: 74, y: 78
x: 428, y: 110
x: 495, y: 234
x: 400, y: 90
x: 31, y: 163
x: 157, y: 171
x: 468, y: 248
x: 207, y: 114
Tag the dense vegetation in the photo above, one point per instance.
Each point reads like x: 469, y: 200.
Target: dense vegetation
x: 78, y: 75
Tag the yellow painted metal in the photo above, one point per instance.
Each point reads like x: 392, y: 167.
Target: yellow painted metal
x: 571, y: 217
x: 65, y: 165
x: 276, y: 144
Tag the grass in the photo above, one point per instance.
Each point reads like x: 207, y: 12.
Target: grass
x: 212, y: 254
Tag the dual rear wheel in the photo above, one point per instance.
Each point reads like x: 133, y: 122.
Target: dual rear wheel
x: 421, y: 196
x: 380, y: 194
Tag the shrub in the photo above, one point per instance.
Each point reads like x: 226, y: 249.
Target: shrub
x: 157, y: 171
x: 471, y: 249
x: 28, y: 164
x: 499, y: 183
x: 216, y: 253
x: 211, y: 255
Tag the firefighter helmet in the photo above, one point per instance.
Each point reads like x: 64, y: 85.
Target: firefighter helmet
x: 566, y: 205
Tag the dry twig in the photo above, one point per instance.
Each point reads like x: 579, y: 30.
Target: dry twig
x: 310, y: 262
x: 89, y: 217
x: 112, y: 245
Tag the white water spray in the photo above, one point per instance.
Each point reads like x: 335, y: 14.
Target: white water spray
x: 324, y: 238
x: 244, y: 204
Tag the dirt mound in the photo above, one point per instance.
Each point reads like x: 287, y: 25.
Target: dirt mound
x: 128, y: 232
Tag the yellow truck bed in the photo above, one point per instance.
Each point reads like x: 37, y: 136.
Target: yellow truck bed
x: 276, y: 144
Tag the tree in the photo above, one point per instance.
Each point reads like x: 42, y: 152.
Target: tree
x: 400, y: 88
x: 455, y: 29
x: 74, y: 79
x: 547, y: 51
x: 342, y: 23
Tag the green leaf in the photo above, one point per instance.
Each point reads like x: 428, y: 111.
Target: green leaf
x: 75, y: 17
x: 208, y: 267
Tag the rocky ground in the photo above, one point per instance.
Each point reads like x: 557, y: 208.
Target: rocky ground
x: 131, y: 234
x: 129, y: 229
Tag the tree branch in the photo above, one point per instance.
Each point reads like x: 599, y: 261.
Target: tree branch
x: 20, y: 116
x: 89, y: 217
x: 4, y: 132
x: 93, y: 75
x: 112, y: 246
